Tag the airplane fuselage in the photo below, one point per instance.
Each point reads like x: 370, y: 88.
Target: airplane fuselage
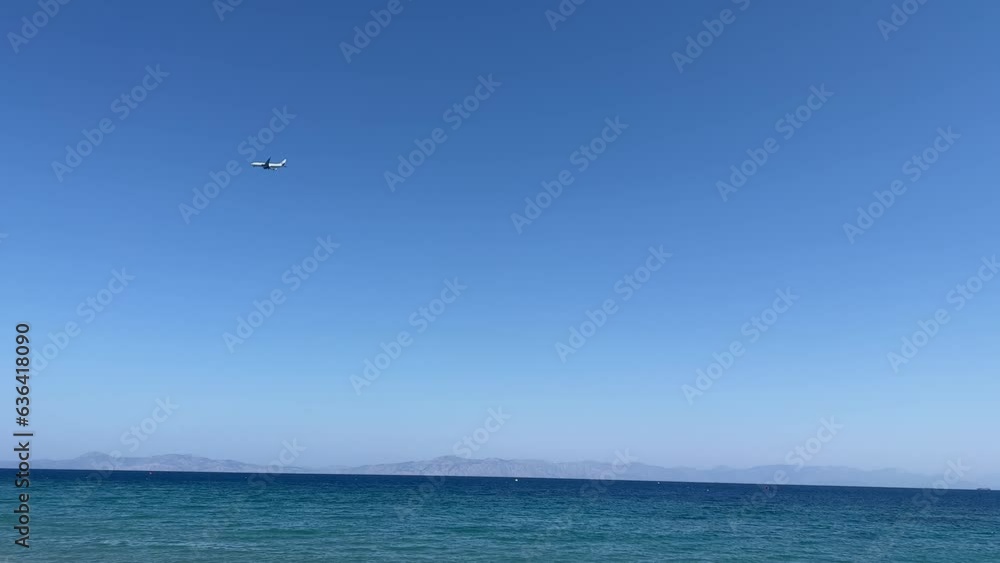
x: 268, y: 165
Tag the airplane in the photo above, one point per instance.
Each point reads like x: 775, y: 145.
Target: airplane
x: 266, y: 165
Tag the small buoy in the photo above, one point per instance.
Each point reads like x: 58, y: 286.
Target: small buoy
x: 515, y: 480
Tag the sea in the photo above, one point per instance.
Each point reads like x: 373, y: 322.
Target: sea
x: 112, y: 517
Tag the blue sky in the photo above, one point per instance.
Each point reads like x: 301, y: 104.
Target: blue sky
x: 655, y: 184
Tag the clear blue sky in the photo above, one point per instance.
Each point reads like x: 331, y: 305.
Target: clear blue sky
x: 494, y: 346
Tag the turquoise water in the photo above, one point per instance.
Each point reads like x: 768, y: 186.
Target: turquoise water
x: 193, y: 517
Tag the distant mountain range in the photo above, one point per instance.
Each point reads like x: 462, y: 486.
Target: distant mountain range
x: 525, y: 468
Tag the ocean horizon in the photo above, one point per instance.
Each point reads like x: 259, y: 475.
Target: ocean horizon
x: 956, y: 475
x: 318, y: 472
x: 203, y: 516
